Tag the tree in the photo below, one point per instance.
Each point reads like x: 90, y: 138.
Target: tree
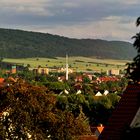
x: 86, y: 79
x: 1, y: 59
x: 30, y: 112
x: 133, y: 73
x: 69, y: 128
x: 133, y: 69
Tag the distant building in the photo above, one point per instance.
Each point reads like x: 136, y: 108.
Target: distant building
x: 41, y: 70
x: 13, y: 69
x: 64, y: 70
x: 54, y: 69
x: 113, y: 72
x: 79, y: 78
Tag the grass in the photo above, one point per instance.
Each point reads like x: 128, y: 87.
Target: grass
x: 76, y: 63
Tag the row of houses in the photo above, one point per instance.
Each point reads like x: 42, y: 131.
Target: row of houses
x: 14, y: 67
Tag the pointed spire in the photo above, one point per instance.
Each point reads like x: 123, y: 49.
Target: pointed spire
x: 67, y: 67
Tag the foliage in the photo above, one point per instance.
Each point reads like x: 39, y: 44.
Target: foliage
x: 133, y: 69
x: 31, y: 113
x: 57, y: 87
x: 86, y: 79
x: 23, y: 44
x: 69, y: 127
x: 100, y: 108
x: 27, y: 75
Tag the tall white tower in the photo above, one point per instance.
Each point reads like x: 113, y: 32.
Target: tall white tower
x: 67, y: 71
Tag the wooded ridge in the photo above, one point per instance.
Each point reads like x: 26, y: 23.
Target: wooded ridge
x: 23, y: 44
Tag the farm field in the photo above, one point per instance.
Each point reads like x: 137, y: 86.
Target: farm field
x: 76, y: 63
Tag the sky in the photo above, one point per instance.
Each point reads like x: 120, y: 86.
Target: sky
x: 94, y: 19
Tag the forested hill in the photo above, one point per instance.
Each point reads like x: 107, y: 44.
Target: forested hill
x: 22, y: 44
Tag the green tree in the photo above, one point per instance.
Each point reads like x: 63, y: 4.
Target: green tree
x: 86, y: 79
x: 1, y: 59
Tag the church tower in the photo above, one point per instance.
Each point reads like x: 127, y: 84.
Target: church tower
x: 67, y: 71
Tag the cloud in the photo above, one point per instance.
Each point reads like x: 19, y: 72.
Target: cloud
x: 106, y: 19
x: 24, y: 6
x: 129, y: 2
x: 110, y: 28
x: 23, y: 2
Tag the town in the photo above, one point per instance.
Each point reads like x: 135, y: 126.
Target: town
x: 95, y: 94
x: 69, y: 70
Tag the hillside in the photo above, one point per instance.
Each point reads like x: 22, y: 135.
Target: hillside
x: 23, y: 44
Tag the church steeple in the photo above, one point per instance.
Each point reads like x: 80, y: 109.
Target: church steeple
x: 67, y: 71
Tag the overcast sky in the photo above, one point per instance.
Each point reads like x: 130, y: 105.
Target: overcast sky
x: 104, y: 19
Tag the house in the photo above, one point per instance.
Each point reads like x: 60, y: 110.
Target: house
x: 106, y: 92
x: 62, y: 78
x: 64, y: 92
x: 13, y: 69
x: 41, y: 70
x: 96, y: 131
x: 64, y: 70
x: 99, y: 130
x: 1, y: 80
x: 107, y: 78
x: 78, y: 86
x: 79, y: 78
x: 125, y: 115
x: 98, y: 93
x: 78, y: 92
x: 113, y: 72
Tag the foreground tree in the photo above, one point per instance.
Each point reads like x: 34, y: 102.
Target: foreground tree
x: 133, y: 73
x: 133, y: 69
x: 29, y: 112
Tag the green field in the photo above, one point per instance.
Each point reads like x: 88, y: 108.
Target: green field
x: 76, y: 63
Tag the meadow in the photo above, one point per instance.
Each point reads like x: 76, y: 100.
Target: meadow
x: 76, y: 63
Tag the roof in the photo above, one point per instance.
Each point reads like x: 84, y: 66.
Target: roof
x: 98, y: 131
x: 136, y: 120
x: 106, y: 92
x: 100, y: 128
x: 123, y: 115
x: 98, y: 94
x: 1, y: 80
x: 107, y: 78
x: 88, y: 137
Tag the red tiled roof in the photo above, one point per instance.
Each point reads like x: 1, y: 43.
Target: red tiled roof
x: 105, y: 79
x: 123, y: 114
x: 1, y: 80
